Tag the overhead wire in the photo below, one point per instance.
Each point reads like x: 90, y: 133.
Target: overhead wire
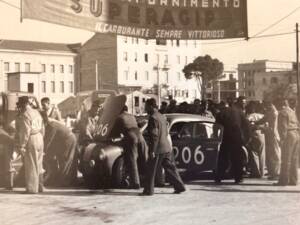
x: 277, y: 22
x: 9, y: 4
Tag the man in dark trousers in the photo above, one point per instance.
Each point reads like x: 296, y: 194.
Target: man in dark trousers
x: 235, y: 136
x: 159, y: 151
x: 133, y: 142
x: 60, y: 152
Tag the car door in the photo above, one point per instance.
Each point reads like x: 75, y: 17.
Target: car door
x: 196, y: 145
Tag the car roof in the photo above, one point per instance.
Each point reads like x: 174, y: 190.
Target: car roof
x: 177, y: 117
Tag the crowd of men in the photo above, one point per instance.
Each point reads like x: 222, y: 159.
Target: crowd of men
x: 259, y: 138
x: 256, y: 136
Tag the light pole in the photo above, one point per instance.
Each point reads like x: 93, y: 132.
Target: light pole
x: 157, y: 68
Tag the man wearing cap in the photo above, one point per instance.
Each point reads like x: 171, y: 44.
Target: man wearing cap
x: 159, y: 151
x: 29, y: 142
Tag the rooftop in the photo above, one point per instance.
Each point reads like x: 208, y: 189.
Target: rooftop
x: 37, y: 46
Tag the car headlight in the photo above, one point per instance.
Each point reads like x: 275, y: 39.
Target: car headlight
x: 92, y: 163
x: 102, y: 154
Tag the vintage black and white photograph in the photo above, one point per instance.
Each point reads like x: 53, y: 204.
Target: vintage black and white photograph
x: 149, y: 112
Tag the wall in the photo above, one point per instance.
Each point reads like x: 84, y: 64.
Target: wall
x: 101, y: 48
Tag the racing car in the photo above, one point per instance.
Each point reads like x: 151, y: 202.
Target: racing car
x: 195, y: 141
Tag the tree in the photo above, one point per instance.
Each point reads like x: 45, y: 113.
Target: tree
x: 203, y: 69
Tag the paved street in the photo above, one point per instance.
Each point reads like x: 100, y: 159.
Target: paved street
x: 255, y: 202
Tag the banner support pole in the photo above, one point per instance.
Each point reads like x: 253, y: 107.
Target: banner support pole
x: 21, y: 11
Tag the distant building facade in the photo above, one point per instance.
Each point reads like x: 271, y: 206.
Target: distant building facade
x: 131, y: 64
x: 45, y: 69
x: 224, y: 87
x: 261, y: 76
x: 266, y: 82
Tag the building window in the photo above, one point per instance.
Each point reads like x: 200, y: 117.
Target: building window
x: 146, y: 57
x: 136, y: 40
x: 231, y: 76
x: 178, y: 76
x: 146, y: 41
x: 157, y: 58
x: 146, y: 75
x: 62, y: 87
x: 126, y: 75
x: 70, y: 69
x: 125, y: 56
x: 125, y: 39
x: 17, y: 67
x: 53, y: 86
x: 52, y: 68
x: 135, y: 75
x: 177, y: 42
x: 166, y: 77
x: 44, y: 86
x: 43, y: 68
x: 6, y: 66
x: 135, y: 56
x: 71, y: 86
x: 161, y: 42
x: 195, y: 43
x: 27, y: 67
x: 186, y: 60
x: 166, y: 61
x: 62, y: 68
x: 30, y: 87
x: 178, y: 59
x: 136, y: 101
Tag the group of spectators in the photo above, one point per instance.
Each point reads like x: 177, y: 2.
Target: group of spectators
x: 259, y: 138
x: 43, y: 141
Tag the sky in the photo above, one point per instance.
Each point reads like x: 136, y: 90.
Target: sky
x: 261, y: 14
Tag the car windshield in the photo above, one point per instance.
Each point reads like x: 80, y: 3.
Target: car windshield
x: 195, y: 130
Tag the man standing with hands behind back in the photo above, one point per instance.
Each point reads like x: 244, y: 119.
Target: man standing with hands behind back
x: 159, y: 150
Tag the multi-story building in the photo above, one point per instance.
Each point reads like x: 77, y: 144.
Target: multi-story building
x: 45, y: 69
x: 127, y: 64
x: 266, y: 82
x: 250, y: 75
x: 224, y: 87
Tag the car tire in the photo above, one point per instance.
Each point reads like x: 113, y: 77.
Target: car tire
x: 119, y: 174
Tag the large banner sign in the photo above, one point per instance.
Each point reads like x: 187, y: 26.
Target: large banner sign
x: 151, y: 19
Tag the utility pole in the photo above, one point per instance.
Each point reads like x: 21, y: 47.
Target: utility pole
x: 157, y: 68
x: 97, y: 76
x: 297, y: 62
